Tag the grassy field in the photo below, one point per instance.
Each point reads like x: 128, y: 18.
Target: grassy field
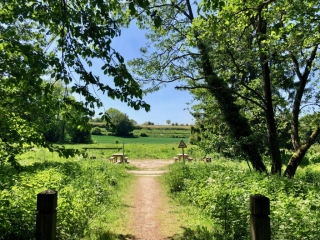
x: 158, y: 131
x: 139, y: 147
x: 137, y: 151
x: 103, y: 139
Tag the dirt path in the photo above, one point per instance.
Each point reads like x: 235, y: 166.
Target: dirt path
x: 150, y: 215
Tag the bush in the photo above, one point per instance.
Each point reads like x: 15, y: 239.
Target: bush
x: 222, y: 190
x: 84, y: 188
x: 80, y: 136
x: 175, y: 179
x: 96, y: 131
x: 143, y: 134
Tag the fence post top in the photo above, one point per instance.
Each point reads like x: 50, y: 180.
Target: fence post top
x: 259, y: 196
x: 48, y: 192
x: 259, y: 204
x: 47, y: 201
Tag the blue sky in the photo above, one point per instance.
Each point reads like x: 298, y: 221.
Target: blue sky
x: 166, y: 104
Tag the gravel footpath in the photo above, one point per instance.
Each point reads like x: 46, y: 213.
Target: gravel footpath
x: 149, y: 205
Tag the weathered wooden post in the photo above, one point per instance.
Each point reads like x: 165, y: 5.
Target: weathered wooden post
x: 259, y: 218
x: 47, y: 215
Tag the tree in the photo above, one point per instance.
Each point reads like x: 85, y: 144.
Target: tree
x: 270, y: 34
x: 58, y: 39
x: 182, y: 54
x: 168, y: 122
x: 244, y: 62
x: 121, y: 124
x: 148, y: 123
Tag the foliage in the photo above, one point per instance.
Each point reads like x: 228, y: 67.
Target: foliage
x: 143, y: 134
x: 80, y: 136
x: 251, y: 75
x: 96, y: 131
x: 256, y: 52
x: 222, y: 190
x: 121, y: 124
x: 59, y: 40
x: 148, y: 123
x: 85, y: 188
x: 181, y: 54
x: 307, y: 123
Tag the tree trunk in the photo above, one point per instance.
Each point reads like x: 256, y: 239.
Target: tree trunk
x: 239, y: 126
x: 269, y: 113
x: 300, y: 150
x: 297, y: 157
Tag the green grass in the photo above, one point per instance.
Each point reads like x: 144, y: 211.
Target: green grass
x: 153, y: 131
x: 134, y: 150
x: 137, y: 140
x: 88, y: 194
x: 222, y: 190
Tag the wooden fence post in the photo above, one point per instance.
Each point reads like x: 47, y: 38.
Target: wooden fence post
x: 259, y: 218
x: 47, y: 215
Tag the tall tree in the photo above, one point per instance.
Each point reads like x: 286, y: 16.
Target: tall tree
x: 183, y: 54
x: 58, y: 38
x: 252, y: 59
x: 269, y: 33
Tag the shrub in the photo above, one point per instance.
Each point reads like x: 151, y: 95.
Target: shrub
x: 175, y: 179
x: 222, y: 190
x: 96, y: 131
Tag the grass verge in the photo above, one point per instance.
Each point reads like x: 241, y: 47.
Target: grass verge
x: 182, y: 220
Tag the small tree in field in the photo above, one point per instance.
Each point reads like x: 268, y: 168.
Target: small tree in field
x: 168, y: 122
x: 122, y: 125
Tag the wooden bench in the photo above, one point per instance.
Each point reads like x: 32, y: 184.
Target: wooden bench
x: 190, y: 159
x: 111, y: 159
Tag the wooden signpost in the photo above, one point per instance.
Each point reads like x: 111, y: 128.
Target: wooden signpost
x: 183, y: 146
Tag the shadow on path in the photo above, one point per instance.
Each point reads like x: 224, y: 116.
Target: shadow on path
x: 200, y: 233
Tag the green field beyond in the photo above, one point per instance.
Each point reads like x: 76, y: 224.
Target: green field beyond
x: 147, y: 140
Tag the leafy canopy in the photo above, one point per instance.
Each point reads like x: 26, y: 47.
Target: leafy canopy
x: 58, y: 39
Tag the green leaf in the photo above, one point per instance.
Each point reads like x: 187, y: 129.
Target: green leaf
x: 157, y: 21
x: 132, y: 8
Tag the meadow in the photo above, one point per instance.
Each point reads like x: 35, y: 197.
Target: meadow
x: 105, y: 139
x: 156, y: 142
x: 144, y: 132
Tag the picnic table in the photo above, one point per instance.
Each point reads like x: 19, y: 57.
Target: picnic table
x: 120, y: 156
x: 180, y: 156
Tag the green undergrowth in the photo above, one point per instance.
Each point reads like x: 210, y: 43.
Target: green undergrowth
x: 192, y: 222
x: 222, y: 191
x: 88, y: 195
